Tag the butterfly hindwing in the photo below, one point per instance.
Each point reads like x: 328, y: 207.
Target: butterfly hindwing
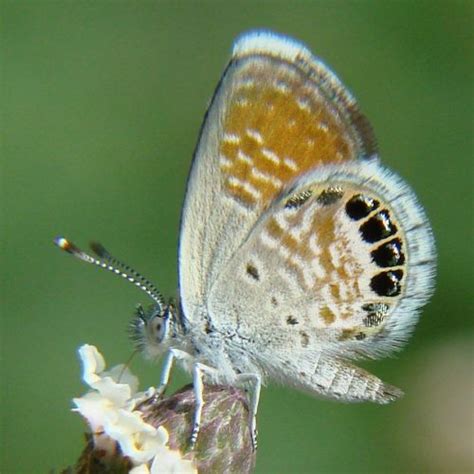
x: 339, y: 264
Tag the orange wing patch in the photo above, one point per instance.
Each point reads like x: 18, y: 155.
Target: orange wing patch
x: 278, y: 125
x: 320, y: 254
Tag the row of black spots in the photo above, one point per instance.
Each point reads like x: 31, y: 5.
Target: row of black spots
x: 360, y: 206
x: 389, y: 254
x: 378, y: 227
x: 325, y: 198
x: 387, y: 283
x: 297, y: 200
x: 330, y: 195
x: 376, y: 313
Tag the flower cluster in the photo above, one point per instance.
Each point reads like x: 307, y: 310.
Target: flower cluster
x: 110, y: 410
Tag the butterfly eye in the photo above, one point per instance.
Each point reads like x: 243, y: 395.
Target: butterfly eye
x: 158, y: 327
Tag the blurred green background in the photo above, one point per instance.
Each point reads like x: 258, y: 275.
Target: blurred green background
x: 102, y: 102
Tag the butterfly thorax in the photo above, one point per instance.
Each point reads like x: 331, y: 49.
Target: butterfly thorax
x: 221, y: 347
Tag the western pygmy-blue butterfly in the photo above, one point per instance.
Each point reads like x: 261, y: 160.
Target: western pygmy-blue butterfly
x: 299, y: 250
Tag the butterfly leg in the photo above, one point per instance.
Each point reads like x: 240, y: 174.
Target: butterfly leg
x: 198, y: 371
x: 165, y: 372
x: 171, y: 356
x: 256, y: 384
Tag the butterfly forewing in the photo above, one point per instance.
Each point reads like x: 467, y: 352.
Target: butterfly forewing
x: 277, y: 114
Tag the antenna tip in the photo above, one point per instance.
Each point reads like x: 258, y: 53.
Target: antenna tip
x: 65, y: 244
x: 61, y: 242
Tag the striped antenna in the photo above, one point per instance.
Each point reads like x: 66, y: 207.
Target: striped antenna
x: 115, y: 266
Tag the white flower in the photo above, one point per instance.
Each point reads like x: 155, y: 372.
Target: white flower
x: 109, y: 408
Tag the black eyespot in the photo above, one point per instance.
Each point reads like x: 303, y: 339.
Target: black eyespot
x: 360, y: 206
x: 376, y: 314
x: 372, y: 320
x: 378, y: 227
x: 297, y: 200
x: 387, y: 283
x: 330, y: 196
x: 375, y: 307
x: 389, y: 254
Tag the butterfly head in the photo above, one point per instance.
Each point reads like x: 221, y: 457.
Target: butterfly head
x: 153, y: 329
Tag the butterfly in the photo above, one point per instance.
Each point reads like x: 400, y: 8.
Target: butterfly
x: 299, y: 251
